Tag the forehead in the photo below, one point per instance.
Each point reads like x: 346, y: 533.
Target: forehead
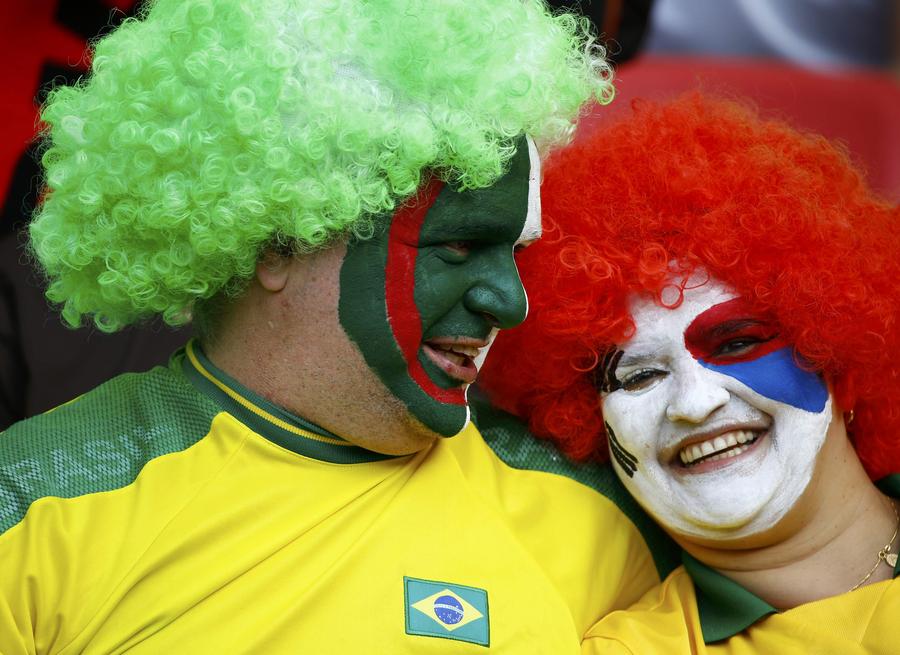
x: 507, y: 211
x: 655, y: 323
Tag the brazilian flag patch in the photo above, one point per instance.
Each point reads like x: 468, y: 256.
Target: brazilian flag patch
x: 450, y: 611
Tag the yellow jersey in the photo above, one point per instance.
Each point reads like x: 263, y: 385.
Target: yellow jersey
x: 697, y: 610
x: 175, y: 511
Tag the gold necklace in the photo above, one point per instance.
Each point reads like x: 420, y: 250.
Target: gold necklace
x: 884, y: 555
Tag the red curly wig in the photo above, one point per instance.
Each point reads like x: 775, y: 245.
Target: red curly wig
x: 782, y: 217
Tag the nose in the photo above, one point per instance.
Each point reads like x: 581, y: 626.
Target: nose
x: 497, y: 292
x: 696, y: 395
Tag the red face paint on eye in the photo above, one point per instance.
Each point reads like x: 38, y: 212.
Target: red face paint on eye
x: 731, y: 332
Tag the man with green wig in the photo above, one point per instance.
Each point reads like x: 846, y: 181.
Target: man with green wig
x: 333, y: 192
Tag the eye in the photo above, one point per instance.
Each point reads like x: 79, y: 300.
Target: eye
x: 640, y: 379
x: 455, y: 251
x: 737, y: 347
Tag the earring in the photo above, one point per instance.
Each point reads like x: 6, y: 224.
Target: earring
x: 850, y: 416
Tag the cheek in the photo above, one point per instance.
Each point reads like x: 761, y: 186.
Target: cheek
x: 800, y: 434
x: 436, y: 287
x: 633, y: 420
x: 777, y: 376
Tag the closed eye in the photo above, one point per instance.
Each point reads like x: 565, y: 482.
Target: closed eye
x: 458, y: 247
x: 455, y: 252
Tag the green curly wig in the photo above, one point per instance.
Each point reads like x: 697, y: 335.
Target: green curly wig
x: 210, y: 129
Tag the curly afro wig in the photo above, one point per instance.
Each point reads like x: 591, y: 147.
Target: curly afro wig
x: 209, y: 129
x: 780, y: 216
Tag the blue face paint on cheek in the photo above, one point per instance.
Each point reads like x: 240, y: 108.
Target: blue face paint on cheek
x: 777, y: 376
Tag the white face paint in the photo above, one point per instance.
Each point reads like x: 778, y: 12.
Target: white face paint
x: 531, y: 230
x: 709, y: 412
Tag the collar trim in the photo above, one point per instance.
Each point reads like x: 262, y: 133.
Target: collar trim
x: 267, y: 419
x: 725, y: 607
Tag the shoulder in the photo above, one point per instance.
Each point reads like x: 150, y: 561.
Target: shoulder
x: 99, y: 441
x: 664, y: 620
x: 511, y: 441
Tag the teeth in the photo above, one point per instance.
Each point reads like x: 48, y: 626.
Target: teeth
x: 459, y: 354
x: 723, y: 446
x: 468, y: 351
x: 454, y: 357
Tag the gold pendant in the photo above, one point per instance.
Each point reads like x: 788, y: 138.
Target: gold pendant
x: 891, y: 559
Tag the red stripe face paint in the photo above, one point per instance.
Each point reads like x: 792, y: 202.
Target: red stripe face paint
x: 400, y: 282
x: 423, y: 297
x: 731, y: 339
x: 729, y: 333
x: 717, y: 426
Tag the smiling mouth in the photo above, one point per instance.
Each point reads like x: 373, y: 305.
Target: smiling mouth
x: 723, y: 446
x: 455, y: 356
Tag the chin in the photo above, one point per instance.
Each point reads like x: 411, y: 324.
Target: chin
x: 732, y: 518
x: 419, y: 431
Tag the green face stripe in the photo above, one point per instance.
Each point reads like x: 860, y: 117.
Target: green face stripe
x: 463, y: 281
x: 468, y: 294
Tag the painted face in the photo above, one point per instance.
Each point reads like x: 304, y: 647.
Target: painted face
x: 424, y: 297
x: 713, y: 426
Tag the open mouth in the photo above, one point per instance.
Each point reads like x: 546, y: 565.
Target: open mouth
x: 723, y: 446
x: 455, y: 356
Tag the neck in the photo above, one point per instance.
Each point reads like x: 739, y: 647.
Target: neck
x: 825, y: 546
x: 287, y: 346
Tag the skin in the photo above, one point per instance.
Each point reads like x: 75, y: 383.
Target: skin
x: 823, y: 546
x: 312, y: 334
x: 440, y: 276
x: 793, y: 517
x: 669, y: 398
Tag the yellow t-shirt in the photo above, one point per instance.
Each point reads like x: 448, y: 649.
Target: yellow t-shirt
x: 696, y: 610
x: 175, y: 512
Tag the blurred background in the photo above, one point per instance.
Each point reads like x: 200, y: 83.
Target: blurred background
x: 830, y: 66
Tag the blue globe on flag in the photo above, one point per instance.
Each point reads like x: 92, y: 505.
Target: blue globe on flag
x: 448, y: 610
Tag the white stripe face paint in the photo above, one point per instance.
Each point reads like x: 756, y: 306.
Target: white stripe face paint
x: 714, y: 428
x: 531, y: 230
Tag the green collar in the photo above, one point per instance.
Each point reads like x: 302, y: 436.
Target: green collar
x: 725, y: 607
x: 267, y: 419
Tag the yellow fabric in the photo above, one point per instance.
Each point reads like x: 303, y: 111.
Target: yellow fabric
x: 237, y: 545
x: 665, y: 622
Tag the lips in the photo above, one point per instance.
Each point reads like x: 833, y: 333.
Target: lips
x: 455, y: 356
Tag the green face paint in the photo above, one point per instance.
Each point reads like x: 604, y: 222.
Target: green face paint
x: 422, y: 297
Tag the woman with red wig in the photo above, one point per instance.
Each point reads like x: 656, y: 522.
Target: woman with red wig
x: 714, y: 308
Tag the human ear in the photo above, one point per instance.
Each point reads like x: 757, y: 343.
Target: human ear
x: 272, y: 271
x: 844, y: 392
